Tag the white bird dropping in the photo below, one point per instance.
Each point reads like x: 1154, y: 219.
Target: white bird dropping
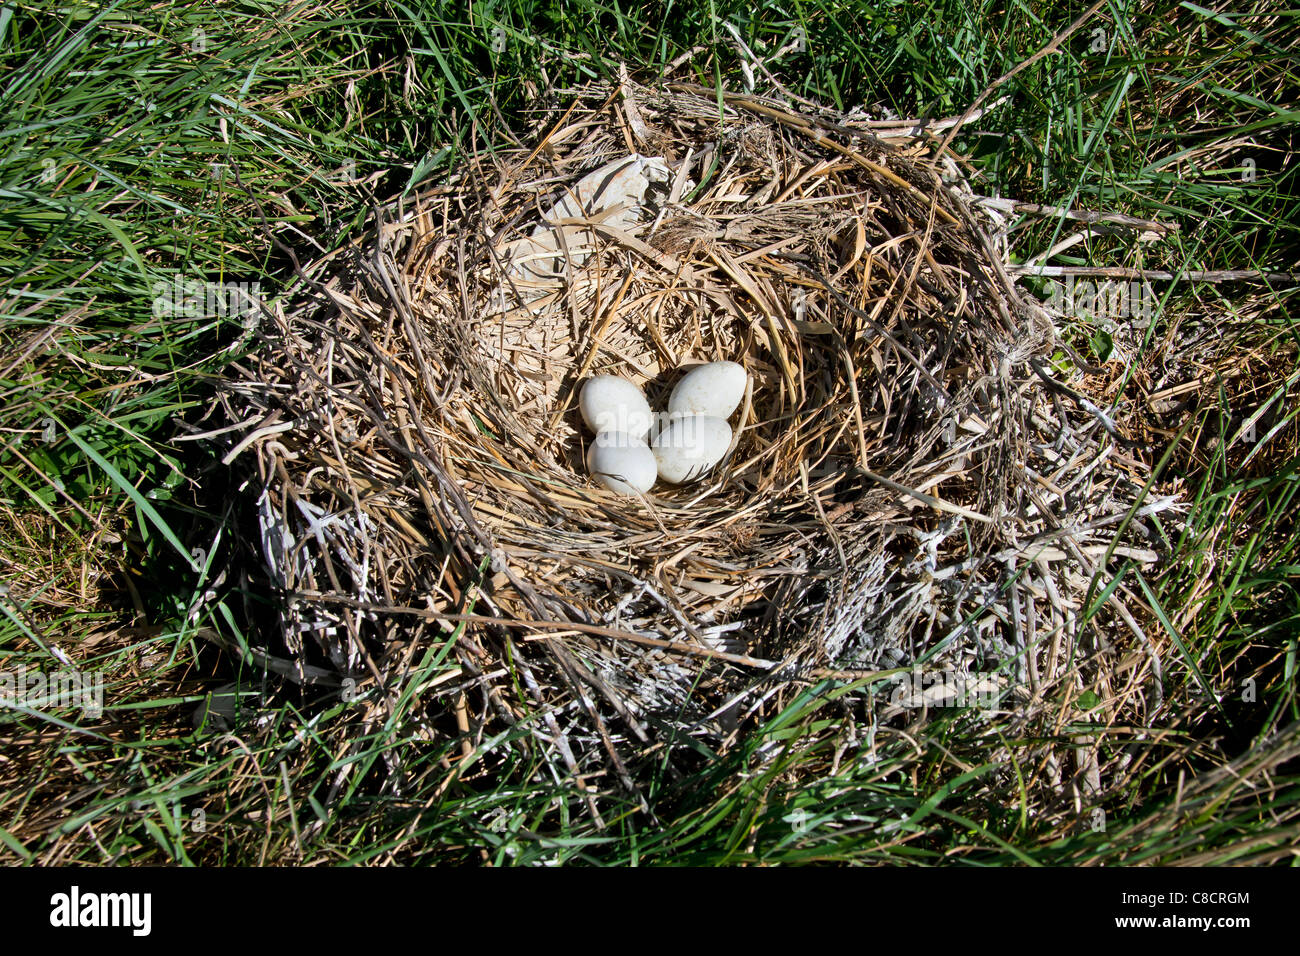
x: 614, y: 194
x: 714, y: 390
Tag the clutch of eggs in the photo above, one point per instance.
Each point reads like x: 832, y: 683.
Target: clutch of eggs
x: 691, y: 440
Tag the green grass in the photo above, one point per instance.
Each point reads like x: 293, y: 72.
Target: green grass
x: 144, y: 142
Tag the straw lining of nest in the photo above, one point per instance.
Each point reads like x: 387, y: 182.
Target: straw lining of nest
x: 908, y: 479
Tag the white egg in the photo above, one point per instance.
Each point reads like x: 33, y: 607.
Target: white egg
x: 714, y: 390
x: 609, y: 403
x: 622, y: 463
x: 689, y: 447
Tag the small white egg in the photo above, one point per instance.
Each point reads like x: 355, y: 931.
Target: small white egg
x: 622, y: 463
x: 609, y: 403
x: 714, y: 389
x: 689, y: 447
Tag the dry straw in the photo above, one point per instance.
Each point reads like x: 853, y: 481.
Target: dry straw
x: 911, y: 479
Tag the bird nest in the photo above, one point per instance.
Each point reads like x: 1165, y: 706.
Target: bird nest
x: 911, y: 481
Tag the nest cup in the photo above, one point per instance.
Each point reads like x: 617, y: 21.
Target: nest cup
x: 434, y: 486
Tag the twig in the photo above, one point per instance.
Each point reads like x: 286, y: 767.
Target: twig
x: 1190, y: 275
x: 1079, y: 215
